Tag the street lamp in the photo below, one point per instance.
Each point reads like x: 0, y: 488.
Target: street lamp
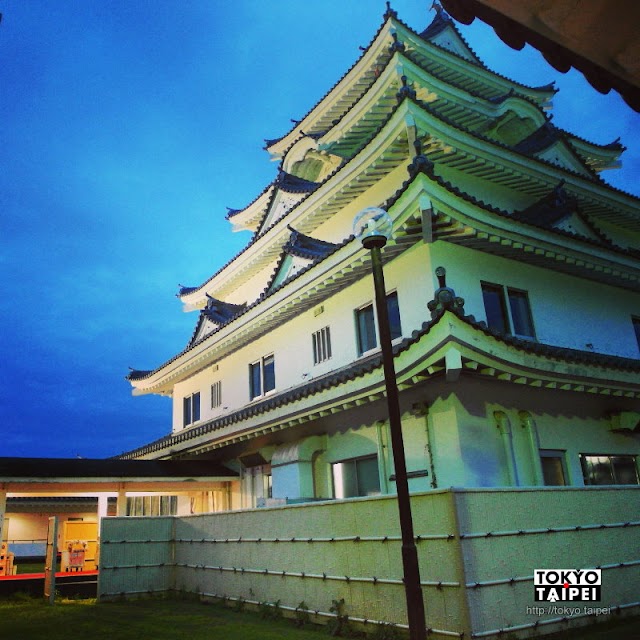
x: 373, y: 227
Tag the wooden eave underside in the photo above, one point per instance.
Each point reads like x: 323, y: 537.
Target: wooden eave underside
x: 460, y: 222
x: 453, y: 147
x: 454, y: 103
x: 440, y: 62
x: 93, y: 486
x: 446, y: 145
x: 479, y: 356
x: 454, y: 70
x: 450, y: 145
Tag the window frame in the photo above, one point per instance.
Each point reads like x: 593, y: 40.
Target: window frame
x: 216, y: 394
x: 507, y: 296
x: 321, y: 345
x: 189, y: 415
x: 555, y: 454
x: 264, y: 364
x: 632, y: 457
x: 391, y: 295
x: 356, y: 461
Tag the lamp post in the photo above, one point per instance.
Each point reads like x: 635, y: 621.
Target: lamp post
x: 373, y: 227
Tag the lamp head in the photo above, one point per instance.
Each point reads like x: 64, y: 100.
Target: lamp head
x: 372, y: 226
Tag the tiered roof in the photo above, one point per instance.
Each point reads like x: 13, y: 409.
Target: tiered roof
x: 427, y: 91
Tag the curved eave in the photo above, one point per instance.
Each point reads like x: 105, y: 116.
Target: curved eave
x: 450, y: 348
x: 386, y: 150
x: 248, y: 219
x: 460, y: 102
x: 454, y: 102
x: 486, y: 83
x: 499, y: 163
x: 599, y: 157
x: 336, y: 102
x: 461, y: 219
x: 310, y: 286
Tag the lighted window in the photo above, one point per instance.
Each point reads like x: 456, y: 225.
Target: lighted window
x: 553, y: 467
x: 366, y: 324
x: 262, y: 376
x: 152, y: 506
x: 508, y: 310
x: 609, y: 469
x: 191, y: 409
x: 321, y: 341
x: 216, y: 394
x: 356, y: 477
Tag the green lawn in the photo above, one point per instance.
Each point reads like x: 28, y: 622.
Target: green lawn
x: 140, y: 620
x: 168, y: 619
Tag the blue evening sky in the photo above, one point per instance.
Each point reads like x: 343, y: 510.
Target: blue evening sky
x: 127, y: 127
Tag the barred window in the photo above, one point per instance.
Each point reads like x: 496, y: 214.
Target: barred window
x: 216, y: 394
x: 321, y: 345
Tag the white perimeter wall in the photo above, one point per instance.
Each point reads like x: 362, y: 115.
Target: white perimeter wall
x: 477, y: 552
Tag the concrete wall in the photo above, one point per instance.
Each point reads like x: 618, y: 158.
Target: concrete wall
x: 477, y: 553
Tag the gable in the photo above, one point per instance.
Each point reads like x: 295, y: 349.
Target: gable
x: 288, y: 267
x: 203, y: 329
x: 281, y: 204
x: 449, y: 39
x: 561, y: 156
x: 574, y: 223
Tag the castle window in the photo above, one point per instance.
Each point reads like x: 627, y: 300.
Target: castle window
x: 508, y: 310
x: 356, y: 477
x: 553, y: 467
x: 608, y: 469
x: 366, y: 324
x: 216, y: 394
x: 262, y: 376
x: 321, y: 345
x: 191, y: 409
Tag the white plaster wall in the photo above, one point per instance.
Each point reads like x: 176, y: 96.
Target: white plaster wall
x: 469, y: 449
x: 466, y: 446
x: 579, y: 435
x: 319, y: 552
x: 567, y: 311
x: 291, y: 343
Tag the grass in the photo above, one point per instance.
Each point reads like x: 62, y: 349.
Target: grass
x: 137, y: 620
x: 183, y: 619
x: 30, y: 567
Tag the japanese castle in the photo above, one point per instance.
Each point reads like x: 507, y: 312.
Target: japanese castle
x: 512, y: 275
